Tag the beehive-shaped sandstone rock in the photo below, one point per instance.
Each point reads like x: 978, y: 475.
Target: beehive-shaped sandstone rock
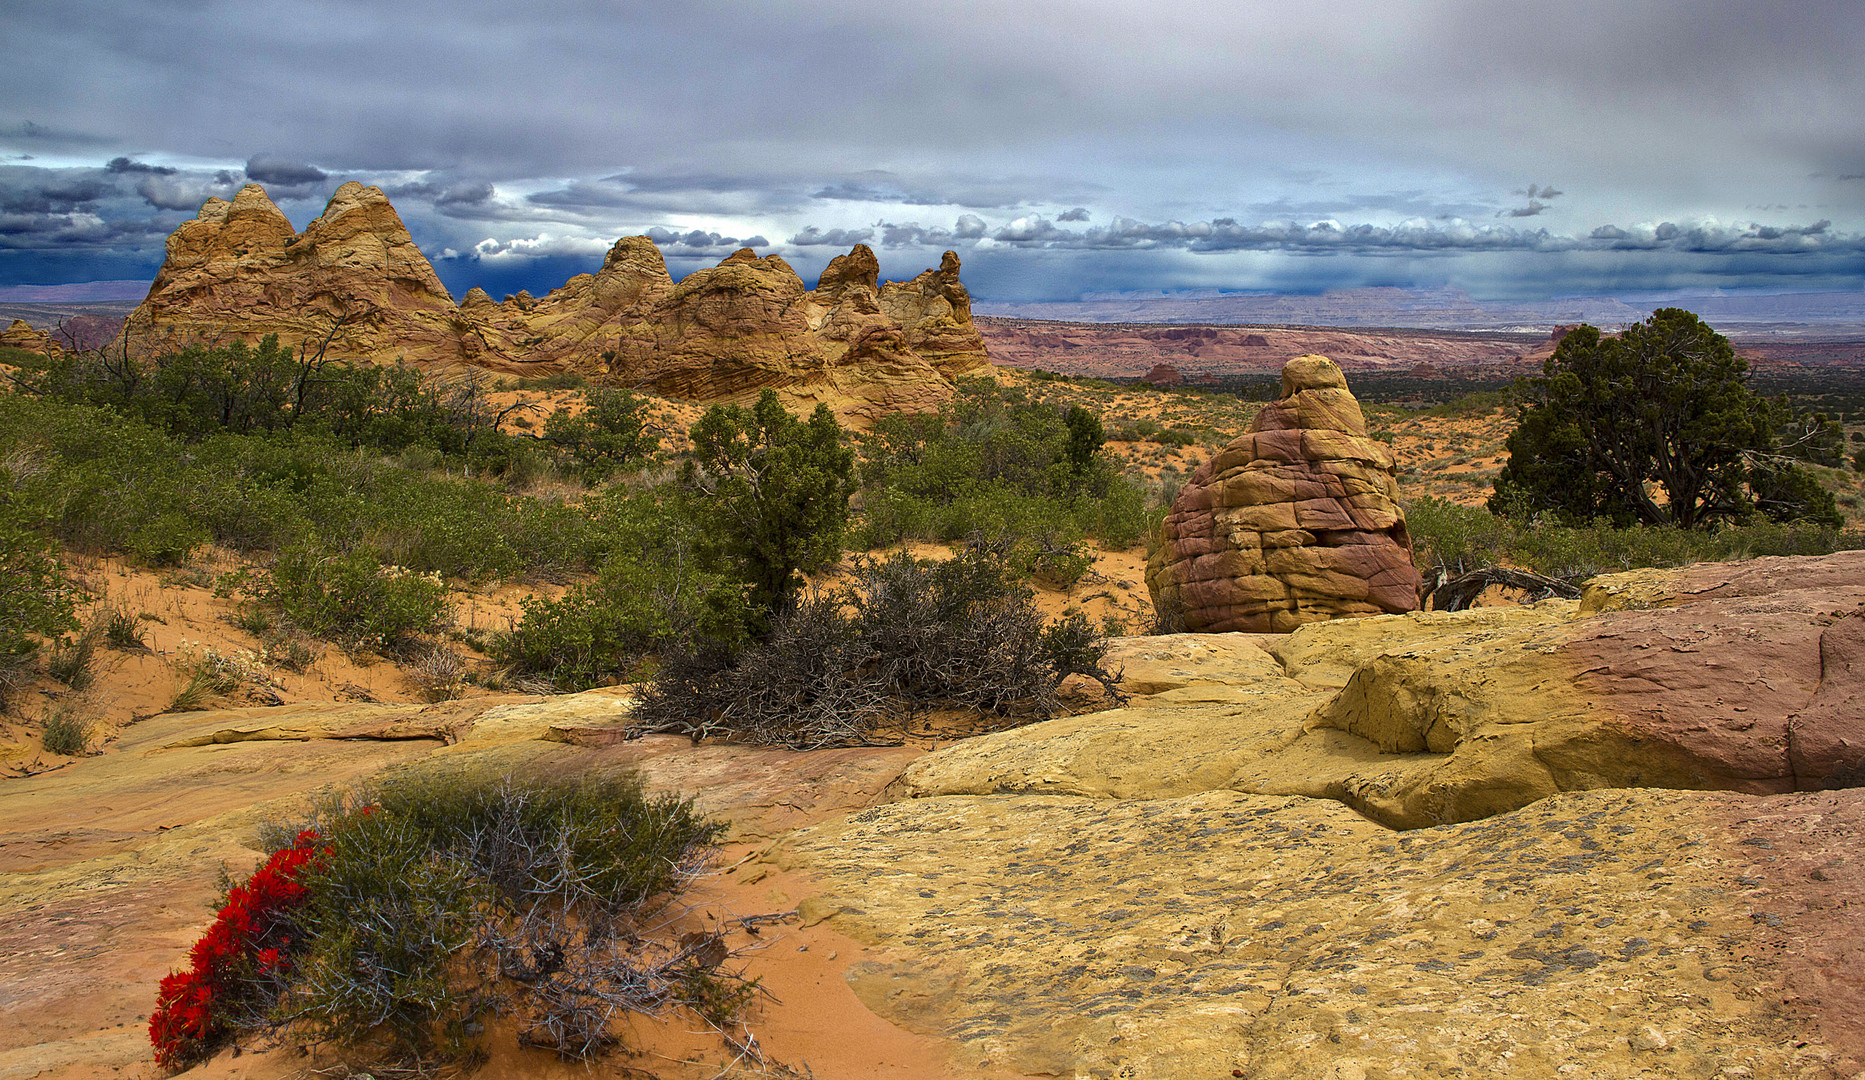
x: 1295, y: 521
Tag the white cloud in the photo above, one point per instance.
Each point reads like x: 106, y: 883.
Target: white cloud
x: 539, y: 246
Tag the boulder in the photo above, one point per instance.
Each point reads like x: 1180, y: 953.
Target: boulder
x: 356, y: 277
x: 1295, y: 521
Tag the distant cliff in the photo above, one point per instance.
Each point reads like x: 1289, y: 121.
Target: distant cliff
x: 356, y: 277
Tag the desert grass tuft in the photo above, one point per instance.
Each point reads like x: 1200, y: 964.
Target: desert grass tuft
x: 439, y: 674
x: 121, y: 629
x: 72, y: 658
x: 67, y: 731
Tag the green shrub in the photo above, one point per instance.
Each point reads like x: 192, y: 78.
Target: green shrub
x: 991, y: 456
x: 37, y: 602
x: 1664, y: 406
x: 1120, y: 518
x: 905, y: 636
x: 444, y: 899
x: 665, y: 580
x: 608, y: 436
x: 599, y: 633
x: 1459, y: 539
x: 1453, y: 537
x: 352, y: 597
x: 779, y: 488
x: 1474, y: 403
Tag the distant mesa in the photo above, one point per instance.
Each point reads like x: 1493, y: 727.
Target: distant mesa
x: 1295, y: 521
x: 82, y: 292
x: 355, y: 277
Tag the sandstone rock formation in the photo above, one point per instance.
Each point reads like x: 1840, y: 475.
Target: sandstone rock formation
x: 240, y: 270
x: 1163, y: 890
x: 1734, y: 676
x: 1295, y: 521
x: 1468, y: 844
x: 23, y: 335
x: 1163, y: 375
x: 355, y: 276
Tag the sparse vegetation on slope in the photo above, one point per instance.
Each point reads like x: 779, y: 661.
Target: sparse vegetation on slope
x: 1458, y: 539
x: 998, y: 466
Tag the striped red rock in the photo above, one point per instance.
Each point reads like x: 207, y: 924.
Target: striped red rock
x: 1296, y: 521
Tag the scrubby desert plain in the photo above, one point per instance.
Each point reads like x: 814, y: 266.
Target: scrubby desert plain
x: 1610, y: 836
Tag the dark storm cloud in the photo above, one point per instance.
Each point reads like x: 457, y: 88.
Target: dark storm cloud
x: 1415, y: 237
x: 856, y: 191
x: 887, y: 187
x: 68, y: 232
x: 286, y: 172
x: 1172, y: 124
x: 58, y: 195
x: 585, y: 195
x: 659, y: 196
x: 423, y: 84
x: 125, y: 165
x: 1538, y: 198
x: 1732, y: 239
x: 694, y: 243
x: 40, y: 137
x: 968, y: 227
x: 440, y: 194
x: 841, y: 238
x: 687, y: 182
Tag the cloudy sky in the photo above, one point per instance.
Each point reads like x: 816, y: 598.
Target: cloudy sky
x: 1512, y: 150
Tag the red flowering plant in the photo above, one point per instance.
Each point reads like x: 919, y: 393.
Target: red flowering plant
x: 238, y: 968
x: 410, y: 911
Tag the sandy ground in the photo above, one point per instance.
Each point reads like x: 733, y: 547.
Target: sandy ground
x: 184, y: 621
x: 108, y: 874
x: 807, y: 1022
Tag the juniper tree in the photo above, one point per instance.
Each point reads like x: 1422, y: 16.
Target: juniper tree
x: 1657, y: 426
x: 781, y: 486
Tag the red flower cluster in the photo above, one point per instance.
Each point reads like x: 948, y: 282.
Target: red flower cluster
x: 246, y: 948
